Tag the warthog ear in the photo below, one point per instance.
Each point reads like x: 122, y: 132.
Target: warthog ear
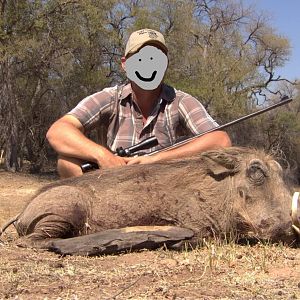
x: 221, y: 163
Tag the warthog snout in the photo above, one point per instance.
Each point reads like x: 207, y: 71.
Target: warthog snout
x: 284, y: 233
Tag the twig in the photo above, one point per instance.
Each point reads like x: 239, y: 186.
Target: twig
x: 125, y: 288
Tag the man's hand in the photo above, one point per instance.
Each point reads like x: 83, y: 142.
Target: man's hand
x: 107, y: 160
x: 140, y: 160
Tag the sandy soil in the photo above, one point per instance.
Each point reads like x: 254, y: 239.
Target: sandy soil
x: 216, y: 271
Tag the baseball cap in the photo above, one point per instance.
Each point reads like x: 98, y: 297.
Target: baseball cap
x: 141, y: 37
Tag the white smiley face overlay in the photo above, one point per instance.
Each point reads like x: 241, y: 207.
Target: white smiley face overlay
x: 147, y: 67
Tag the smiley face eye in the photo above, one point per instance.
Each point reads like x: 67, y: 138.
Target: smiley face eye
x: 140, y: 59
x: 151, y: 58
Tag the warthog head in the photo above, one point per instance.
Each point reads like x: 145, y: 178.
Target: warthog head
x: 262, y: 200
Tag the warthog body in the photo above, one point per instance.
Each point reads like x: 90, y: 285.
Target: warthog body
x: 235, y: 190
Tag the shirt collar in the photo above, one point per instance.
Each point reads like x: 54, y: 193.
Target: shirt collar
x: 126, y: 91
x: 167, y: 93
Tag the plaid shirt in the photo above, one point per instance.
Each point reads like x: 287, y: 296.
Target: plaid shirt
x: 176, y: 114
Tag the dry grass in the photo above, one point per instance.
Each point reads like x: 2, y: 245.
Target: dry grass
x: 217, y: 270
x: 213, y: 272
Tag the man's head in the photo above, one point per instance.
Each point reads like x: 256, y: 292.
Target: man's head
x: 145, y: 58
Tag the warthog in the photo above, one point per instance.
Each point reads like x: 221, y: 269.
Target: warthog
x: 236, y: 191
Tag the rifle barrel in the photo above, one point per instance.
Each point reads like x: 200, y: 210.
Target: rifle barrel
x: 283, y: 101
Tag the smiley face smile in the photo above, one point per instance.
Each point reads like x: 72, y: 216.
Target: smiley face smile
x: 138, y: 75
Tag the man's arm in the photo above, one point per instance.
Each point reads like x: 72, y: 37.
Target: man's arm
x: 213, y: 140
x: 67, y: 139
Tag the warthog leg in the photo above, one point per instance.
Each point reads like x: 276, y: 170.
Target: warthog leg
x: 60, y: 212
x: 47, y: 229
x: 52, y: 226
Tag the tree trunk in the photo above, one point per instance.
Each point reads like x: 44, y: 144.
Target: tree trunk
x: 11, y: 153
x: 12, y: 147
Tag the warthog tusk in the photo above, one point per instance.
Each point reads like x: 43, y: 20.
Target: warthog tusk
x: 295, y: 218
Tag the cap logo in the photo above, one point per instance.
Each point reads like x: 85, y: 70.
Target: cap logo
x: 152, y: 34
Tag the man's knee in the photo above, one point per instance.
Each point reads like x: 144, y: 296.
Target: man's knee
x: 69, y: 167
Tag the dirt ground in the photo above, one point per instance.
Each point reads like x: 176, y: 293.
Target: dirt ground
x: 215, y: 271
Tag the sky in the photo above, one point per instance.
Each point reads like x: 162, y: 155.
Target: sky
x: 285, y: 18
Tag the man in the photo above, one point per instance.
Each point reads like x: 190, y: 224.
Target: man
x: 145, y: 107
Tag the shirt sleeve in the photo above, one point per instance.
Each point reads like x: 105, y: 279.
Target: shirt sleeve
x: 194, y: 116
x: 90, y: 110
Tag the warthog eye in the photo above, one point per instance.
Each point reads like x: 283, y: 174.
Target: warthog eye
x: 256, y: 172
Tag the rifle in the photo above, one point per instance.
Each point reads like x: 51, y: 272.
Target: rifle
x: 152, y: 141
